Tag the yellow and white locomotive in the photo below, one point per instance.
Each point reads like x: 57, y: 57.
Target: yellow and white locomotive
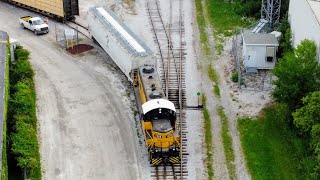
x: 158, y: 118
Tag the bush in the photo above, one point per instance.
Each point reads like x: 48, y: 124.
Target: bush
x: 4, y: 170
x: 298, y: 74
x: 234, y: 76
x: 22, y: 106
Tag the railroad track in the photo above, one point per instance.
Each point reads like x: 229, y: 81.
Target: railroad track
x: 171, y: 59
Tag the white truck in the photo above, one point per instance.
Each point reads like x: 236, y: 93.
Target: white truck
x: 34, y: 24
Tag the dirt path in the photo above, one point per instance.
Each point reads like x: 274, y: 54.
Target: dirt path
x: 219, y: 63
x: 86, y: 127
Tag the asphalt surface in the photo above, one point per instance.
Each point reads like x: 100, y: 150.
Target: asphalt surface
x: 86, y: 127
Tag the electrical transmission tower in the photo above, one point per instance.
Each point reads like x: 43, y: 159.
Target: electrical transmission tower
x: 270, y: 11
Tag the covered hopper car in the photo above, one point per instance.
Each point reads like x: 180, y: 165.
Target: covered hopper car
x: 58, y: 9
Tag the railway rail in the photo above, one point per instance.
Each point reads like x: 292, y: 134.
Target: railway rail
x: 171, y: 58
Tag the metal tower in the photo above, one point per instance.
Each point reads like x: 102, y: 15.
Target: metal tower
x: 270, y: 11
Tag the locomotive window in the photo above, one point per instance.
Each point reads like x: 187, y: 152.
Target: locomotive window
x: 157, y: 136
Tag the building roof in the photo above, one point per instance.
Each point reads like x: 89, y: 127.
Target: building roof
x: 156, y: 104
x: 315, y: 7
x: 125, y: 36
x: 259, y: 39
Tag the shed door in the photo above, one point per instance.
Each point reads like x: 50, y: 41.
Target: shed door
x: 251, y: 59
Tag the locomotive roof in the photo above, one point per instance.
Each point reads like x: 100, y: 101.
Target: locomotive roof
x: 151, y: 82
x: 156, y: 104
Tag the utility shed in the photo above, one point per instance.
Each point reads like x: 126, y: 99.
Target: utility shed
x: 304, y: 18
x: 124, y: 47
x: 259, y: 51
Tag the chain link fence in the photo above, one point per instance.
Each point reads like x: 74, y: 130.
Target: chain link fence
x: 65, y: 36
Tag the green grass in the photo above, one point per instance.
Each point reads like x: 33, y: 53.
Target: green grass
x: 227, y: 143
x: 213, y: 75
x: 208, y: 139
x: 4, y: 170
x: 202, y: 27
x: 216, y: 90
x: 224, y: 18
x: 272, y: 150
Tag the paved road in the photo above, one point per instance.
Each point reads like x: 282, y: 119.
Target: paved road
x: 86, y: 127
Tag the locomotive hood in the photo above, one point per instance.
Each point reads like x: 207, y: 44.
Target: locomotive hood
x: 156, y: 104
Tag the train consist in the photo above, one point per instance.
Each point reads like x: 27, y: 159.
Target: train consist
x: 58, y: 9
x: 139, y: 64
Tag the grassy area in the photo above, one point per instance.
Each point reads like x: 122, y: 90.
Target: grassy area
x: 4, y: 172
x: 227, y: 143
x: 271, y: 148
x: 213, y: 75
x: 224, y: 18
x: 216, y: 90
x: 202, y: 27
x: 208, y: 139
x: 226, y: 22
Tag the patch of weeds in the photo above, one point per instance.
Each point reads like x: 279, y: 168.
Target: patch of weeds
x: 227, y: 143
x: 234, y: 76
x: 202, y: 27
x: 216, y: 90
x: 213, y: 75
x: 208, y: 139
x: 272, y: 149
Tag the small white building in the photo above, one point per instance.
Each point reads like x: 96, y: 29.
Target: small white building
x: 259, y: 51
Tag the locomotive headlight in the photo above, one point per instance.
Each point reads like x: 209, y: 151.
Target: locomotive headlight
x: 157, y: 136
x: 169, y: 135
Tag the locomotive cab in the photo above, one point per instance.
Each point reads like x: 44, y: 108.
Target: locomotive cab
x: 159, y: 116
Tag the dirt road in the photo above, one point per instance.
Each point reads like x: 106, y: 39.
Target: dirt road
x: 86, y: 127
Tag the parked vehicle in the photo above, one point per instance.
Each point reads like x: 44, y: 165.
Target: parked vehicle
x: 34, y: 24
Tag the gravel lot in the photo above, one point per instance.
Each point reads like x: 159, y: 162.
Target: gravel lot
x: 86, y: 126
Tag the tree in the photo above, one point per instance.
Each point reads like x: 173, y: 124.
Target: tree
x: 298, y: 73
x: 307, y: 119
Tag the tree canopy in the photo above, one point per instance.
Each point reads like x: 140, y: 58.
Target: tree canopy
x: 307, y: 119
x: 298, y: 73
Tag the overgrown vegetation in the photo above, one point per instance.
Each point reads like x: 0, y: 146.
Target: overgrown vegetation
x: 298, y: 74
x: 23, y: 122
x: 234, y: 76
x: 223, y: 17
x: 202, y: 27
x: 216, y: 90
x: 227, y: 143
x: 213, y: 75
x: 279, y: 144
x: 208, y: 139
x: 272, y: 149
x: 307, y: 119
x: 4, y: 169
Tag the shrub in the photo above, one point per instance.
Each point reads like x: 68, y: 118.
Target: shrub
x: 234, y: 76
x: 22, y: 106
